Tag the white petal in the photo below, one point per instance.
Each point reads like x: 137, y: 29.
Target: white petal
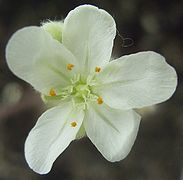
x: 51, y: 136
x: 34, y: 56
x: 112, y: 131
x: 136, y: 81
x: 88, y: 33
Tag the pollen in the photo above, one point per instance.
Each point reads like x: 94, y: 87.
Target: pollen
x: 97, y: 69
x: 52, y: 92
x: 70, y: 66
x: 99, y: 100
x: 73, y: 124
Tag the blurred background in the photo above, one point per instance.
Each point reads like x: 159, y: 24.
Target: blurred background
x: 158, y: 151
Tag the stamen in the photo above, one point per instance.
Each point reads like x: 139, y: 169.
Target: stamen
x: 97, y: 69
x: 52, y: 92
x: 73, y: 124
x: 70, y: 66
x: 100, y: 100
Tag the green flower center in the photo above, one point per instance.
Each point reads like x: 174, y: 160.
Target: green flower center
x: 79, y: 92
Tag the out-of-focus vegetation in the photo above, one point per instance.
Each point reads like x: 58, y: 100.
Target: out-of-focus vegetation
x: 158, y: 151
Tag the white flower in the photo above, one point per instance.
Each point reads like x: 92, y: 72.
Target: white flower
x: 90, y: 93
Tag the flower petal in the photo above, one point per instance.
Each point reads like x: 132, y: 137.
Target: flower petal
x: 136, y: 81
x: 89, y: 33
x: 112, y: 131
x: 53, y: 132
x: 34, y: 56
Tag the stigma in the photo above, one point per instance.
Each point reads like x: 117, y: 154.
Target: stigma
x: 100, y: 100
x: 70, y: 66
x: 73, y: 124
x: 52, y: 92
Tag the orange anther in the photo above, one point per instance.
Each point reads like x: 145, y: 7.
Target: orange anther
x: 52, y: 92
x: 100, y: 100
x: 73, y: 124
x: 97, y: 69
x: 70, y: 66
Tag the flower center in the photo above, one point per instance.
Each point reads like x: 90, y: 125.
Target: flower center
x: 79, y: 92
x: 82, y: 90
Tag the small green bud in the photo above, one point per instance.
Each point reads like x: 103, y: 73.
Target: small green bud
x: 54, y: 28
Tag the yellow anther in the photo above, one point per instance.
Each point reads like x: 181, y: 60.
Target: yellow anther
x: 52, y: 92
x: 73, y: 124
x: 97, y: 69
x: 100, y: 100
x: 70, y: 66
